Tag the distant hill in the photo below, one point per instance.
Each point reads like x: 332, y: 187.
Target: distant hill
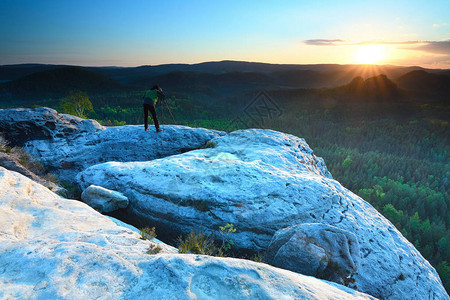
x: 377, y: 87
x: 426, y: 83
x: 226, y: 83
x: 310, y: 78
x: 127, y: 75
x: 12, y: 72
x: 238, y: 81
x: 58, y: 82
x: 291, y: 75
x: 214, y: 81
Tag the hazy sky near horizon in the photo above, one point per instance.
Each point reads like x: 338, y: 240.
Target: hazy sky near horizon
x: 132, y: 33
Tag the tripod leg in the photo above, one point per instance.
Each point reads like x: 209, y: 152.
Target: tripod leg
x: 162, y: 113
x: 170, y: 111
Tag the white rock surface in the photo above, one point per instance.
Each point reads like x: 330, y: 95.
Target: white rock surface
x: 103, y: 200
x: 54, y: 248
x: 262, y: 181
x: 67, y: 145
x: 317, y: 250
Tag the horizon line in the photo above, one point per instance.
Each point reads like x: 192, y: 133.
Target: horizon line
x: 216, y: 61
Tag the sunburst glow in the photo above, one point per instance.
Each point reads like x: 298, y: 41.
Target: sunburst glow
x: 370, y: 54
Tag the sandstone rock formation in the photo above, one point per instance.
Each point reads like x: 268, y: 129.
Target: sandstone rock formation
x: 54, y: 248
x: 67, y: 145
x: 13, y: 160
x: 103, y: 200
x: 263, y: 181
x: 317, y: 250
x: 11, y: 163
x: 20, y: 125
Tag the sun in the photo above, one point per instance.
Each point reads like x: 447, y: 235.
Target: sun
x: 369, y: 54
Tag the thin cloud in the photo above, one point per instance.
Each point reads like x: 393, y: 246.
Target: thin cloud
x: 324, y: 42
x: 436, y: 47
x: 337, y: 42
x: 389, y: 43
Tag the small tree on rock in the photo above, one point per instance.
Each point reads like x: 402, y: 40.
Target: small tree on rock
x: 76, y: 103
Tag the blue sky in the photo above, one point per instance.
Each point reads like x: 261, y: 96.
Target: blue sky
x: 131, y: 33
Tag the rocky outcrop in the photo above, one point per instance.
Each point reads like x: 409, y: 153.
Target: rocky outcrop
x: 263, y: 181
x: 20, y: 125
x: 318, y: 250
x: 67, y: 145
x: 54, y: 248
x: 11, y: 162
x: 103, y: 200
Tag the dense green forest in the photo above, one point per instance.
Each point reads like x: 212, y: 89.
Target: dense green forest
x: 391, y: 148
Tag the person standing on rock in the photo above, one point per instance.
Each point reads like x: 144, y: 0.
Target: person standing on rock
x: 151, y: 97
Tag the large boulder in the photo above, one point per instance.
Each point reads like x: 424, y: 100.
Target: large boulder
x: 103, y: 200
x: 54, y: 248
x: 263, y: 181
x: 317, y: 250
x: 67, y: 145
x: 20, y: 125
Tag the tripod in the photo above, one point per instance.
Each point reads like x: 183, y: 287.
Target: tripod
x: 168, y: 109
